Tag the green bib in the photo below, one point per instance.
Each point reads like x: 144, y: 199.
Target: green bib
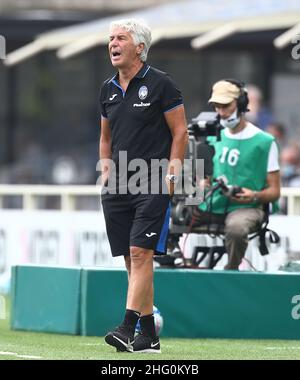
x: 244, y: 163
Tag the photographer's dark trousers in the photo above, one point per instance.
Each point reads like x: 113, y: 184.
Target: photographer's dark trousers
x: 238, y: 225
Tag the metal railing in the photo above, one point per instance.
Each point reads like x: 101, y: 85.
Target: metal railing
x: 68, y: 195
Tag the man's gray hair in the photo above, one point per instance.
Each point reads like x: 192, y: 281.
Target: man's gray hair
x: 141, y: 33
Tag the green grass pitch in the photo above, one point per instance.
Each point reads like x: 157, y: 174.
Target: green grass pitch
x: 21, y: 345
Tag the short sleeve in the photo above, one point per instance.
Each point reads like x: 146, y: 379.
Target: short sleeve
x: 171, y: 96
x: 273, y: 159
x: 102, y: 105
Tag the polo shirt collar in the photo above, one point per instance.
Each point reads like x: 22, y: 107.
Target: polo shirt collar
x: 143, y: 71
x: 140, y: 74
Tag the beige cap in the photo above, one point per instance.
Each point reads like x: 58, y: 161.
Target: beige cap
x: 224, y: 92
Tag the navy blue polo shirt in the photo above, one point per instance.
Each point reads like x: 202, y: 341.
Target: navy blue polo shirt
x: 136, y: 117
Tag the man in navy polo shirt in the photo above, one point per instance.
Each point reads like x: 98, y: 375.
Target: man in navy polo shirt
x: 142, y: 118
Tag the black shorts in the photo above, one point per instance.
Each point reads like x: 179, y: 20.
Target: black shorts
x: 140, y: 220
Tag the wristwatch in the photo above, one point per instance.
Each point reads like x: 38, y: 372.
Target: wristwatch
x: 255, y: 196
x: 172, y: 178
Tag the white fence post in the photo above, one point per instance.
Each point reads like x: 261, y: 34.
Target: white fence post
x: 29, y: 202
x: 68, y: 202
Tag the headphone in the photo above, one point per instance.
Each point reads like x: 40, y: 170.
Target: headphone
x: 242, y: 100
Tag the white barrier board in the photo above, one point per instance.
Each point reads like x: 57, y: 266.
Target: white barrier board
x: 78, y: 238
x: 75, y: 238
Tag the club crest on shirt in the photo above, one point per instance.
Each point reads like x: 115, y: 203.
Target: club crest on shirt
x: 143, y: 92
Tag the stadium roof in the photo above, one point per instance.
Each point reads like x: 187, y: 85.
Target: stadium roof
x: 77, y: 5
x: 204, y: 21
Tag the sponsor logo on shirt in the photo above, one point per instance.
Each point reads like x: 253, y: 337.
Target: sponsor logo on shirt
x: 142, y: 104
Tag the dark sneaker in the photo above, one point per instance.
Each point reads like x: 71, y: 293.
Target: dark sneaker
x: 146, y: 344
x: 122, y: 338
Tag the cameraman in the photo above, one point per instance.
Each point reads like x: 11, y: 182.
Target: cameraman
x: 245, y: 157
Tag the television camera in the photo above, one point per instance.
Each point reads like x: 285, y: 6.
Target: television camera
x: 201, y: 129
